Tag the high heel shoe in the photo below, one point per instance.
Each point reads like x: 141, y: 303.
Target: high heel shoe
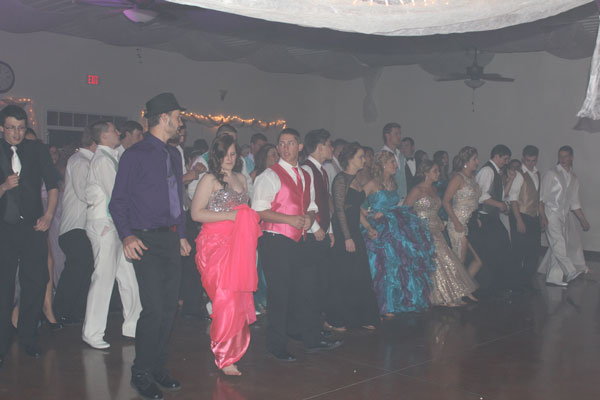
x: 54, y: 326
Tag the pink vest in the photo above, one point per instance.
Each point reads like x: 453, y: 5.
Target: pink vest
x: 290, y: 200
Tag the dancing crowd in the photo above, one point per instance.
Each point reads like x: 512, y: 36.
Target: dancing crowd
x: 322, y: 235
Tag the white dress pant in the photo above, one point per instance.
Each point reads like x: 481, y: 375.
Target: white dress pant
x: 565, y: 252
x: 109, y: 263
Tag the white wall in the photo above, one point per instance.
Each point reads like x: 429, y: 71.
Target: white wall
x: 52, y: 70
x: 538, y: 108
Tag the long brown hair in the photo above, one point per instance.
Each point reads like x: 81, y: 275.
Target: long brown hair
x: 218, y: 151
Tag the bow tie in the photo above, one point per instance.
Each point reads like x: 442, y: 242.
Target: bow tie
x: 410, y: 159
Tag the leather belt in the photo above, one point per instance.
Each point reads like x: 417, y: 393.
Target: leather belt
x: 160, y: 229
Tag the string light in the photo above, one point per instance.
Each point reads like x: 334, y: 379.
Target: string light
x: 235, y: 120
x: 24, y: 102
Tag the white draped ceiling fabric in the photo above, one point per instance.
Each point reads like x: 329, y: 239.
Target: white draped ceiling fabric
x: 411, y: 18
x: 394, y: 17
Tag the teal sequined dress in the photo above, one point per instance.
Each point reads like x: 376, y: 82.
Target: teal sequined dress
x: 400, y: 257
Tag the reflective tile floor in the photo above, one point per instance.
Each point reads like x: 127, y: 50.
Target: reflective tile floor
x: 543, y: 345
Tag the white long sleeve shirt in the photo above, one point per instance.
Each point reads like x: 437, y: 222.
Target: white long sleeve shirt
x: 315, y: 226
x: 74, y: 206
x: 485, y: 178
x: 100, y: 182
x: 332, y: 168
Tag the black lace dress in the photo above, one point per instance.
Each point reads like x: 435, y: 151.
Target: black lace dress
x: 352, y: 298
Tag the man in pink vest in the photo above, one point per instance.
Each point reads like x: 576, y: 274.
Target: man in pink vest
x: 284, y: 198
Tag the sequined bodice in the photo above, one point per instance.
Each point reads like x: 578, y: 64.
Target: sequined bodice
x: 226, y: 200
x: 427, y: 207
x: 466, y: 199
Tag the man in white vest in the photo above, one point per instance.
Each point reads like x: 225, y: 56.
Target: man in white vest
x: 559, y: 201
x: 109, y: 259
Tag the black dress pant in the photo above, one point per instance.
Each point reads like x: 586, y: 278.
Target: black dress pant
x: 292, y: 291
x: 492, y: 244
x: 21, y: 245
x: 71, y: 293
x: 191, y: 291
x: 320, y: 253
x: 526, y: 246
x: 158, y: 274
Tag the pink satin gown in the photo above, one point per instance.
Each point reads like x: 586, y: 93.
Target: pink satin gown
x: 226, y: 259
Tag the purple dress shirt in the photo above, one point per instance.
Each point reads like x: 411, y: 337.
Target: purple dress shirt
x: 140, y: 197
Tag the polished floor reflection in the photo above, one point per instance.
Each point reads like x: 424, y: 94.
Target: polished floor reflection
x: 543, y: 345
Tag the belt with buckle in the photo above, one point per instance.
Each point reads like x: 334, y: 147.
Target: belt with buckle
x: 160, y: 229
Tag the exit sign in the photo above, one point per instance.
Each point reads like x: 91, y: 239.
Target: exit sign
x: 93, y: 80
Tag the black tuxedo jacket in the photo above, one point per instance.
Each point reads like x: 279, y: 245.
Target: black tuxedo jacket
x: 36, y: 167
x: 410, y: 179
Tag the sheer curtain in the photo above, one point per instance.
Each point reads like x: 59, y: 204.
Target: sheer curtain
x: 394, y: 17
x: 411, y: 18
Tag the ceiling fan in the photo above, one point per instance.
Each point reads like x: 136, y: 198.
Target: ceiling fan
x: 138, y: 11
x: 474, y: 76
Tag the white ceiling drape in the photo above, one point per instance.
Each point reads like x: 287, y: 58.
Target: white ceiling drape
x: 412, y: 18
x: 394, y: 17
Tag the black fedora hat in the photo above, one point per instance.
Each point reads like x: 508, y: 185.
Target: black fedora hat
x: 162, y: 103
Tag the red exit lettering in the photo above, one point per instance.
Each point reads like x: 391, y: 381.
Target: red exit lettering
x: 93, y: 80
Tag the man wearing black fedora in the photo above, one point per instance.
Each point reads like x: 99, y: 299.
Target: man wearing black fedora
x: 147, y: 209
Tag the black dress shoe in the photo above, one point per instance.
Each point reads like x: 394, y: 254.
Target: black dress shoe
x: 283, y: 356
x: 326, y: 334
x: 56, y: 326
x: 145, y: 386
x: 167, y: 382
x: 32, y: 350
x: 324, y: 345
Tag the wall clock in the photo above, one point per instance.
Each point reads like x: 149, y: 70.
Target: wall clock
x: 7, y: 77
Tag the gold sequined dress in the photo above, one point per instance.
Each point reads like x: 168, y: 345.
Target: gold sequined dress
x: 464, y: 203
x: 451, y: 281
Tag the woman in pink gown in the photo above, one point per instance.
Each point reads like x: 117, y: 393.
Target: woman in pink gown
x: 226, y: 252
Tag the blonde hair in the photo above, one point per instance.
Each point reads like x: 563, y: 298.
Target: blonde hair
x: 379, y: 161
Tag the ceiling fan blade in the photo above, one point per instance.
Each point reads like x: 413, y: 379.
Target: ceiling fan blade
x: 496, y: 78
x: 452, y: 77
